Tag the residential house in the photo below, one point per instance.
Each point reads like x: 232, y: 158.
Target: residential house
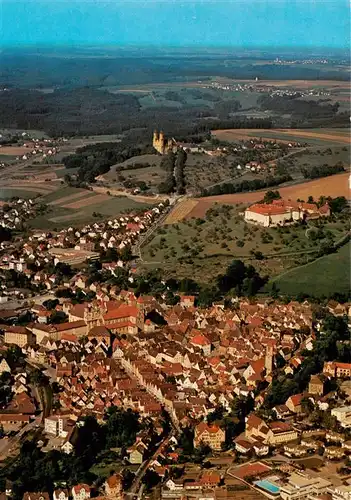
x: 60, y: 494
x: 80, y: 492
x: 334, y: 453
x: 337, y: 369
x: 136, y: 454
x: 242, y: 446
x: 38, y: 495
x: 4, y: 366
x: 342, y: 492
x: 316, y: 385
x: 343, y: 416
x: 294, y: 403
x: 114, y: 487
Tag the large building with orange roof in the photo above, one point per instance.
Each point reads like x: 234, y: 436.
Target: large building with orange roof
x: 210, y: 435
x: 283, y: 211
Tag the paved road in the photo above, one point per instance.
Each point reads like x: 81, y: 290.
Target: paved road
x: 136, y: 485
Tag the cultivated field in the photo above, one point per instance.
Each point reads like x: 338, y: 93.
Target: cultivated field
x: 13, y: 150
x: 311, y: 136
x: 17, y: 189
x: 69, y: 205
x: 86, y: 202
x: 180, y: 211
x: 67, y: 199
x: 6, y: 193
x: 336, y: 185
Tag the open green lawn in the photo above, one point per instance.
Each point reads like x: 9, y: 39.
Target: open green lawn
x: 324, y: 276
x: 205, y: 247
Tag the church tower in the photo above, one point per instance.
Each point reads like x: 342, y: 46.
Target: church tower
x: 268, y: 363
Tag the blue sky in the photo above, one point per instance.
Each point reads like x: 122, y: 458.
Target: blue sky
x: 270, y: 23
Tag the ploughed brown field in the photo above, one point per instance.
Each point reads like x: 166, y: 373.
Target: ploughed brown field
x: 336, y: 185
x: 337, y: 136
x: 14, y: 150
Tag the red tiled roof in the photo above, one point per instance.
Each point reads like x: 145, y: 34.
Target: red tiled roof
x: 200, y: 340
x: 345, y: 366
x: 69, y: 325
x: 124, y: 311
x: 78, y: 487
x: 203, y: 427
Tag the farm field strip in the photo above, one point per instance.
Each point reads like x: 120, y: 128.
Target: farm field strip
x: 14, y: 150
x: 68, y: 217
x: 329, y: 136
x: 26, y: 193
x: 32, y: 188
x: 71, y: 197
x: 337, y: 136
x: 180, y: 211
x: 91, y: 200
x: 47, y: 188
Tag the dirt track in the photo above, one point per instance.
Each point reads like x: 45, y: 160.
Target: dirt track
x: 71, y: 197
x: 92, y: 200
x: 336, y: 185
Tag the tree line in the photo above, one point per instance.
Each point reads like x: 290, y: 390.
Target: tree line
x: 322, y: 171
x: 246, y: 185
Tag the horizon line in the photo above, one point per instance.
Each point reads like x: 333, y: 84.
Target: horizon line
x: 135, y: 45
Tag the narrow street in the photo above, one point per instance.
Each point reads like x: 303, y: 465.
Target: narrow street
x: 136, y: 485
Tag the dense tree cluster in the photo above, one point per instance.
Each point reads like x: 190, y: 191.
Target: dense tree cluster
x: 179, y: 171
x: 74, y: 111
x: 322, y: 171
x: 304, y: 113
x: 168, y: 164
x: 332, y: 343
x: 5, y: 234
x: 270, y: 196
x: 6, y: 394
x: 38, y: 471
x: 242, y: 279
x: 297, y: 107
x: 338, y: 204
x: 96, y: 159
x: 246, y: 185
x: 238, y: 279
x: 88, y: 111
